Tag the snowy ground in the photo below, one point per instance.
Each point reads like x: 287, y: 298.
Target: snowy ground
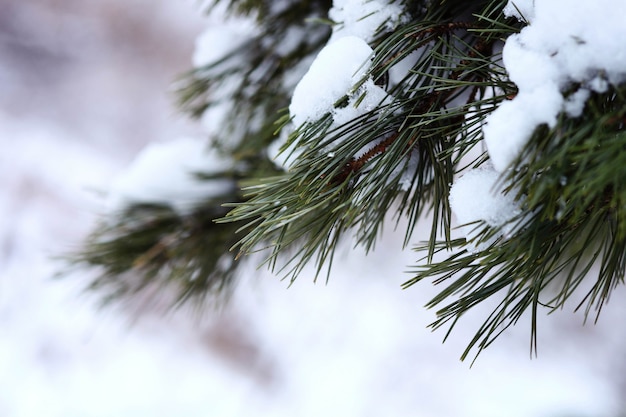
x: 82, y: 87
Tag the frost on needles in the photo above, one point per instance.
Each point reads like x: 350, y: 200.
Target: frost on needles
x: 500, y: 123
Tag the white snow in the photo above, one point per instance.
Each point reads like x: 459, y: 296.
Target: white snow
x: 366, y: 98
x: 478, y: 195
x: 332, y: 76
x: 575, y: 103
x: 510, y: 126
x: 337, y: 68
x: 223, y: 35
x: 523, y: 10
x: 567, y: 41
x: 166, y: 173
x: 362, y: 18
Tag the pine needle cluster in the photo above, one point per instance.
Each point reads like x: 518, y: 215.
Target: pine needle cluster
x: 396, y: 161
x: 569, y: 236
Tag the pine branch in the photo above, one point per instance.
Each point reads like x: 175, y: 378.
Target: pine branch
x: 349, y: 177
x: 557, y: 244
x: 442, y: 74
x: 255, y: 73
x: 156, y: 251
x: 152, y: 246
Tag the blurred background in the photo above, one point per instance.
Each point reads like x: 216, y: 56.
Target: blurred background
x: 83, y: 86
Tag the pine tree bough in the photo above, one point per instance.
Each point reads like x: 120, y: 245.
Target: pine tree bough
x: 337, y: 115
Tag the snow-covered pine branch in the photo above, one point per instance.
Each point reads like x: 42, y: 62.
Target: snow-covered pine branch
x: 336, y: 116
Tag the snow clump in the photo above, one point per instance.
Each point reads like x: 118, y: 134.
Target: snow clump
x: 343, y: 62
x: 362, y: 18
x: 218, y: 42
x: 337, y: 68
x: 340, y: 66
x: 164, y: 173
x: 478, y: 196
x: 223, y: 36
x: 567, y: 42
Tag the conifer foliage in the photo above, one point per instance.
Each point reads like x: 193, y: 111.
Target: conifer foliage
x: 337, y: 116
